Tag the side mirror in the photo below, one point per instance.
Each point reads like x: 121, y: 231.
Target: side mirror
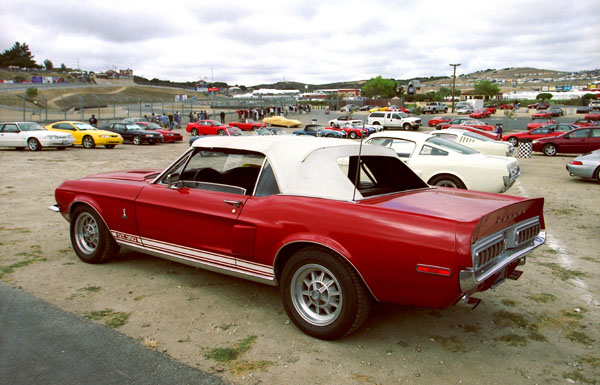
x: 171, y: 180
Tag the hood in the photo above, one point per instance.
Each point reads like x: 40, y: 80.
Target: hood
x: 129, y: 175
x: 104, y: 132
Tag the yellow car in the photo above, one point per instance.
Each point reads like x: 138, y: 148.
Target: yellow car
x: 378, y: 109
x: 87, y: 135
x: 281, y: 121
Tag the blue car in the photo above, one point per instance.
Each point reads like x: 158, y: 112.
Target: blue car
x: 316, y: 130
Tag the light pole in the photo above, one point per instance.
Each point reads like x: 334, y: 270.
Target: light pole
x: 454, y: 83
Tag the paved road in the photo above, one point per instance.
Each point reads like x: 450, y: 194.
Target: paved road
x: 42, y: 344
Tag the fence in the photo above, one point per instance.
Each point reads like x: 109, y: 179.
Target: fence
x: 109, y: 108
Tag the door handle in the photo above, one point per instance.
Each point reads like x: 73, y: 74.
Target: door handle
x: 235, y: 204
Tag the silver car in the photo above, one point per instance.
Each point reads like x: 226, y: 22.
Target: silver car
x: 586, y: 166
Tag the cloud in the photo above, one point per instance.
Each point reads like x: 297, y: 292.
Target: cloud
x: 263, y: 41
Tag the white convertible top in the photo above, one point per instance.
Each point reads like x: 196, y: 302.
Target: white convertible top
x: 302, y: 165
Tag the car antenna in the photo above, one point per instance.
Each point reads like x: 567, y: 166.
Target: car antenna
x: 362, y: 134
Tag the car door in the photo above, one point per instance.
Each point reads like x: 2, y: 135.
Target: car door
x: 195, y: 216
x: 121, y: 128
x: 70, y: 129
x: 11, y: 136
x: 575, y: 142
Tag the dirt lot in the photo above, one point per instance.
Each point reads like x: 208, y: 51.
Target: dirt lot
x: 541, y: 329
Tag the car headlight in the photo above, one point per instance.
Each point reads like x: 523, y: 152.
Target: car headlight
x: 52, y: 137
x: 105, y: 136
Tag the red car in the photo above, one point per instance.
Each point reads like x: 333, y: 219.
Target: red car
x: 284, y: 211
x: 468, y: 122
x: 595, y: 116
x: 438, y: 120
x: 480, y: 114
x: 248, y: 125
x: 577, y: 141
x: 552, y: 129
x: 545, y: 114
x: 507, y: 107
x: 585, y: 123
x: 491, y: 109
x: 169, y: 136
x: 206, y: 127
x: 539, y: 122
x: 352, y: 131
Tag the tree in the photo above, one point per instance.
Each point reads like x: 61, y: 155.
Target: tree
x: 445, y: 91
x: 379, y: 88
x: 486, y: 88
x: 590, y: 96
x: 48, y: 64
x: 31, y: 92
x: 544, y: 96
x: 19, y: 55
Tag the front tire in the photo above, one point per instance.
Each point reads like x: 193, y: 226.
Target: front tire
x: 90, y: 238
x: 137, y: 140
x: 353, y: 135
x: 88, y: 142
x: 406, y: 127
x: 34, y: 144
x: 514, y: 141
x: 447, y: 181
x: 194, y: 132
x: 549, y: 150
x: 221, y: 132
x: 323, y: 295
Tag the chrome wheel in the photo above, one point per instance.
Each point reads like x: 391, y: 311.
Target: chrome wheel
x: 86, y: 233
x: 549, y: 150
x: 316, y: 294
x: 137, y: 140
x: 513, y: 141
x: 34, y: 145
x: 88, y: 142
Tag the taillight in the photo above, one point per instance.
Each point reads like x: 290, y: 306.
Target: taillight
x: 576, y: 163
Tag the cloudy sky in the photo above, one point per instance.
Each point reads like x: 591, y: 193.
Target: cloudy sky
x: 251, y: 42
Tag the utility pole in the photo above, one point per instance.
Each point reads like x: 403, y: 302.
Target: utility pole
x: 453, y: 84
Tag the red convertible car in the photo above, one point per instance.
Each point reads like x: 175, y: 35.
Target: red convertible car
x: 434, y: 121
x: 284, y: 211
x: 544, y: 114
x: 577, y: 141
x: 467, y: 122
x: 248, y: 125
x: 585, y: 123
x: 595, y: 116
x: 206, y: 127
x: 507, y: 107
x: 480, y: 114
x: 169, y: 136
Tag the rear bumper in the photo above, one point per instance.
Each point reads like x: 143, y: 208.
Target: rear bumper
x: 469, y: 279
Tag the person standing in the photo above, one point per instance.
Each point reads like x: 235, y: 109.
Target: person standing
x: 177, y: 118
x: 93, y: 121
x: 222, y: 116
x: 171, y: 120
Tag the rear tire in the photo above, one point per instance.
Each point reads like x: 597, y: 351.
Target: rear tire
x: 447, y: 181
x: 323, y: 295
x: 514, y: 141
x: 34, y: 144
x: 194, y: 132
x: 90, y: 238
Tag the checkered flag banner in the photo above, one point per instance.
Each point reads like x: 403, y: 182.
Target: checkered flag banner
x: 524, y: 150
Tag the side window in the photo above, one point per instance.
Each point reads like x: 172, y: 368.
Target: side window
x: 395, y: 116
x: 450, y: 137
x: 596, y: 133
x: 580, y: 134
x: 224, y: 171
x: 10, y: 128
x: 64, y: 126
x: 403, y: 148
x: 428, y: 150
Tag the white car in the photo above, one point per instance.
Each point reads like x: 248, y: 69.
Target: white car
x: 464, y: 110
x: 32, y: 135
x: 442, y: 163
x: 476, y: 141
x: 344, y: 119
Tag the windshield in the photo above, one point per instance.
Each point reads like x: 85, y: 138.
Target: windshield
x: 451, y: 146
x: 31, y: 126
x: 133, y: 126
x: 234, y: 131
x: 84, y: 126
x: 153, y: 126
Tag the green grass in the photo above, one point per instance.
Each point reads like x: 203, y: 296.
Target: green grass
x: 112, y: 319
x: 580, y: 337
x: 562, y: 273
x: 506, y: 319
x: 230, y: 354
x: 542, y: 297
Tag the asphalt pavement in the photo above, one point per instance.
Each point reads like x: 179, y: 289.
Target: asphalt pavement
x: 42, y: 344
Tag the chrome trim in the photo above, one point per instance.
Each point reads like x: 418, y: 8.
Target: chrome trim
x: 470, y: 278
x: 54, y: 208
